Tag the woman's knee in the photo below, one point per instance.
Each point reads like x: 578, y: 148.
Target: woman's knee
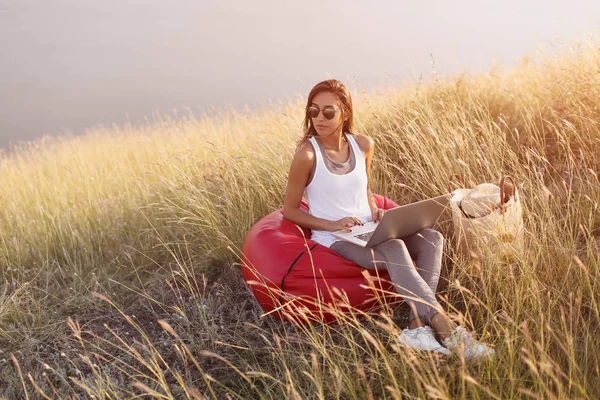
x: 432, y: 236
x: 393, y: 247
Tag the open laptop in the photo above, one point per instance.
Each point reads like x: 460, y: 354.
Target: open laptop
x: 398, y: 222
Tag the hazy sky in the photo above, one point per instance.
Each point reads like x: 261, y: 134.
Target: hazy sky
x: 69, y: 64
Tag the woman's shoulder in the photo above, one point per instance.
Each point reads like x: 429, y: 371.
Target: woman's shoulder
x: 366, y: 143
x: 305, y: 153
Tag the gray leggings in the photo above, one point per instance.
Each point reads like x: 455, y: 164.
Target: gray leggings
x: 396, y: 256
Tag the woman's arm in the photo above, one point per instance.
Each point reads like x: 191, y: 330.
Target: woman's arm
x: 368, y: 147
x: 300, y: 170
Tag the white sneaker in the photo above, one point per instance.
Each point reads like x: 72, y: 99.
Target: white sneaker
x: 461, y: 342
x: 421, y: 338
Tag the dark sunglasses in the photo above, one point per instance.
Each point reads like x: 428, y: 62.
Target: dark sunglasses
x: 328, y: 112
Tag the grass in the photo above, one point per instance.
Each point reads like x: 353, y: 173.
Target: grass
x: 120, y: 250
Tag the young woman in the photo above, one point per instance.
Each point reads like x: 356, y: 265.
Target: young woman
x: 331, y: 168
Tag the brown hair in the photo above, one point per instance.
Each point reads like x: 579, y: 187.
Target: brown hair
x: 342, y: 93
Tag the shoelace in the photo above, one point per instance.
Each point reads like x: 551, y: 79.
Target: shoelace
x: 466, y: 337
x: 461, y: 336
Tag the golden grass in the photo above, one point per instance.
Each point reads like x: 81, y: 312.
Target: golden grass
x: 119, y: 250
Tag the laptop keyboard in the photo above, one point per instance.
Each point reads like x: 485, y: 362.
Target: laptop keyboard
x: 365, y: 236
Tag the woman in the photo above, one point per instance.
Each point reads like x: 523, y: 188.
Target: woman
x: 331, y: 168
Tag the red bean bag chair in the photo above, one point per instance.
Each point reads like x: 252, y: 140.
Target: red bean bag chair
x: 295, y: 278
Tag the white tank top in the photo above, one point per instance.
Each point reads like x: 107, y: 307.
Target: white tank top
x: 332, y: 197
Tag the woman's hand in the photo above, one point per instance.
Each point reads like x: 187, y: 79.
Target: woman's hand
x: 377, y: 214
x: 345, y: 224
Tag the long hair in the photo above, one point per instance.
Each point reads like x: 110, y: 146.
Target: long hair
x: 342, y: 93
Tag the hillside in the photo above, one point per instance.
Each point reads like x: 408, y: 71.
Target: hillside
x: 106, y: 234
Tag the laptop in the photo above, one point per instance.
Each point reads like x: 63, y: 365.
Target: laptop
x: 398, y: 222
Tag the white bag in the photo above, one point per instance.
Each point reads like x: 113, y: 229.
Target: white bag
x: 498, y: 234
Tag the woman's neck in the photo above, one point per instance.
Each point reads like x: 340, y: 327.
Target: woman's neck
x: 334, y: 141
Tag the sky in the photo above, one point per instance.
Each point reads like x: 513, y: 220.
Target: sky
x: 70, y: 64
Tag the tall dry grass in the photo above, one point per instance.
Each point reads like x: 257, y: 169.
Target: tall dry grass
x: 119, y: 250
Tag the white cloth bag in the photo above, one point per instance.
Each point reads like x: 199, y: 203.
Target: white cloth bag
x: 498, y: 234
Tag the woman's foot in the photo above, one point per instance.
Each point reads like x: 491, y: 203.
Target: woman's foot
x: 421, y: 338
x: 462, y: 343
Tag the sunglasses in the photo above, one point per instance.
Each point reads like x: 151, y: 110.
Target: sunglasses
x: 328, y: 112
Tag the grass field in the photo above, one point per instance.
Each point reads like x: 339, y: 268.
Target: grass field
x: 119, y: 250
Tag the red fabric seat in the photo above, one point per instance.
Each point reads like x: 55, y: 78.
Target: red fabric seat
x: 295, y: 278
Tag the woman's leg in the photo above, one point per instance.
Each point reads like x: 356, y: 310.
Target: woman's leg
x: 393, y: 256
x: 426, y: 248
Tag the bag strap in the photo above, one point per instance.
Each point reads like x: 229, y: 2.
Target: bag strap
x: 460, y: 180
x: 502, y: 202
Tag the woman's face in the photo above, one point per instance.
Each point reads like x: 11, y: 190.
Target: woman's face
x: 328, y: 101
